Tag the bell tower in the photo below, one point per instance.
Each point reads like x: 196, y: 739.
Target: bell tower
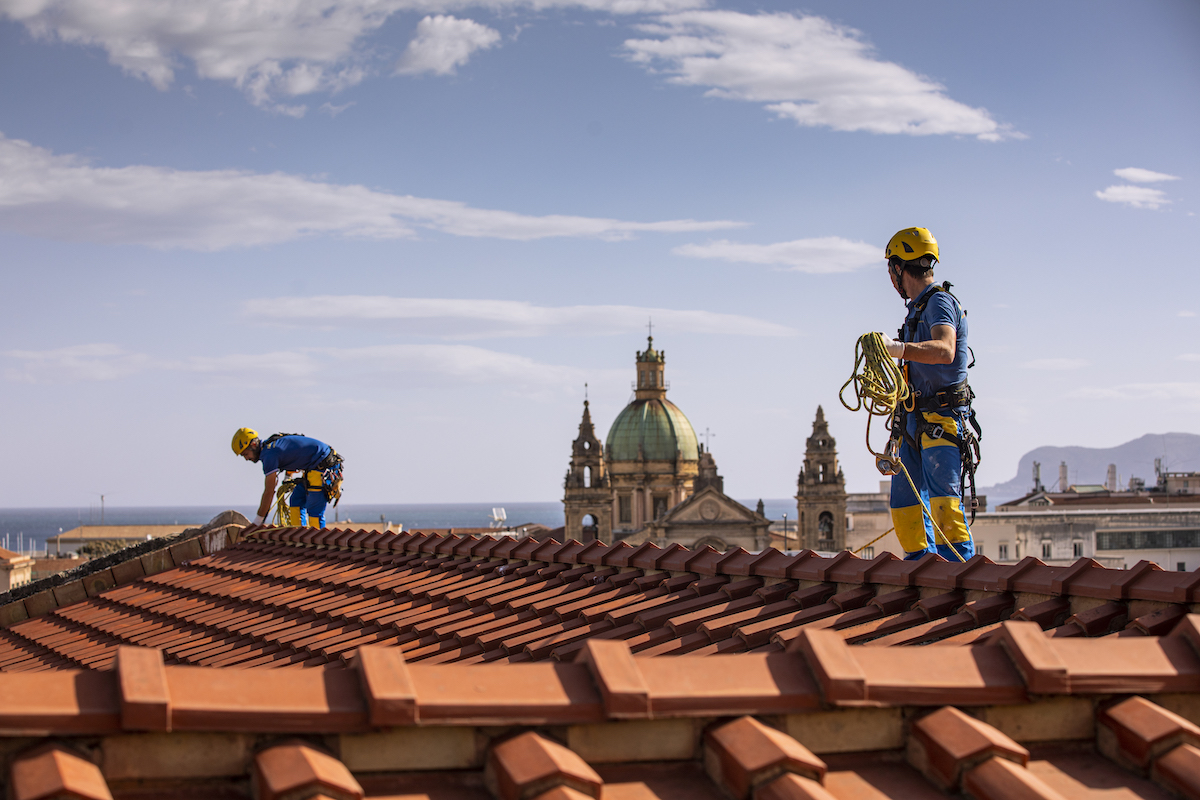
x: 821, y: 492
x: 587, y: 498
x: 651, y: 364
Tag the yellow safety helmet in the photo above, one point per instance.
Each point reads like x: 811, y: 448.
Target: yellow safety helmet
x: 242, y: 439
x: 912, y: 243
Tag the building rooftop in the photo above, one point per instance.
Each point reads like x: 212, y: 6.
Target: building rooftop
x: 118, y: 532
x: 451, y: 667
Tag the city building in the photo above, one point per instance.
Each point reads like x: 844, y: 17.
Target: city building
x: 72, y: 540
x: 15, y: 570
x: 821, y: 492
x: 651, y: 454
x: 644, y: 482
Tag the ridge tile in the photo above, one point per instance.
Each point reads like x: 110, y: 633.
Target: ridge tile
x: 744, y: 754
x: 947, y: 743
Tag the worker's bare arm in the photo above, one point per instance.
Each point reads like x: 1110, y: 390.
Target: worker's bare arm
x: 938, y: 350
x: 268, y: 495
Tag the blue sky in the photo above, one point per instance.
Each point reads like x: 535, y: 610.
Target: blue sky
x: 416, y: 228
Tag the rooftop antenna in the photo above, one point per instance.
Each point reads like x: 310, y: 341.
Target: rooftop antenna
x: 649, y: 327
x: 585, y: 394
x: 707, y: 443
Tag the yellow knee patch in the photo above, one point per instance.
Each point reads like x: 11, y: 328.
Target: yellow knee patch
x: 293, y: 516
x: 948, y: 514
x: 910, y: 528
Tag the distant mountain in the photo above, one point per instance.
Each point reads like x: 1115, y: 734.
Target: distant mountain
x: 1180, y: 452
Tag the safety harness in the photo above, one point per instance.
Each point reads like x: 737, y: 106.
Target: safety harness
x: 330, y: 468
x: 951, y: 397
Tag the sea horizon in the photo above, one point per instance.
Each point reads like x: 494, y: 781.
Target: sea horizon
x: 26, y: 530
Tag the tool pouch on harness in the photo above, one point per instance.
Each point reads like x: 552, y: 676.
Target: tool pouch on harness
x: 331, y: 473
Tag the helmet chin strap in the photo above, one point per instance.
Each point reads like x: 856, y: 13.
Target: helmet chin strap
x: 898, y: 272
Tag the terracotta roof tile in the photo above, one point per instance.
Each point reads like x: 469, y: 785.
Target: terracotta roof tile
x: 745, y: 754
x: 948, y: 743
x: 1138, y: 732
x: 1179, y: 770
x: 489, y: 638
x: 1000, y: 779
x: 296, y: 769
x: 793, y: 787
x: 1130, y: 665
x: 529, y: 765
x: 53, y: 771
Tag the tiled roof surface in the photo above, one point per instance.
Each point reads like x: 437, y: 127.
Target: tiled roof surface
x: 301, y: 597
x: 1027, y: 717
x: 424, y: 667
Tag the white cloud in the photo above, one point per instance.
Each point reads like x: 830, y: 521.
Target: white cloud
x: 61, y: 197
x: 1136, y: 196
x: 819, y: 255
x: 1139, y: 175
x: 396, y: 366
x: 806, y: 69
x: 1186, y: 314
x: 1056, y: 364
x: 267, y: 48
x: 332, y: 110
x: 465, y: 319
x: 1171, y: 391
x: 1189, y: 357
x: 444, y: 43
x: 100, y: 361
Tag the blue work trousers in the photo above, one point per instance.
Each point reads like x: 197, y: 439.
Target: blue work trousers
x: 936, y: 470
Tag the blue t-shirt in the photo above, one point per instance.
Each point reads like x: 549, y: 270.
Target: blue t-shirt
x: 942, y: 309
x: 293, y: 453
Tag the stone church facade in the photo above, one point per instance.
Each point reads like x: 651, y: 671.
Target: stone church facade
x: 587, y: 501
x: 821, y: 492
x: 652, y: 481
x: 638, y: 485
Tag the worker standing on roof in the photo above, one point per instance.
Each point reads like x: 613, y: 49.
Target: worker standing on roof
x: 294, y: 452
x: 932, y: 437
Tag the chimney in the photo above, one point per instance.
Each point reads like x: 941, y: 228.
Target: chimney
x: 1110, y: 482
x: 1063, y: 481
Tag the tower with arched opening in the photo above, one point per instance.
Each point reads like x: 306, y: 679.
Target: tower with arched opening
x: 821, y: 492
x: 587, y: 498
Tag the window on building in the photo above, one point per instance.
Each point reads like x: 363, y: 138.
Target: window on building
x: 825, y: 525
x: 587, y: 476
x: 1002, y: 551
x: 1077, y: 549
x: 867, y: 552
x: 1180, y: 566
x: 660, y: 505
x: 624, y: 508
x: 1047, y: 550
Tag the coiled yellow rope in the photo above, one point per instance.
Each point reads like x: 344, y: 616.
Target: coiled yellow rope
x: 879, y: 387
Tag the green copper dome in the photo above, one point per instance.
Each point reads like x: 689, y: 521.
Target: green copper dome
x: 658, y: 426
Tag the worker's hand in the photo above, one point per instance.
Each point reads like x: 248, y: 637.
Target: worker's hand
x: 259, y: 520
x: 895, y: 347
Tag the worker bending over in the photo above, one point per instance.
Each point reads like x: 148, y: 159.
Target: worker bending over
x: 293, y: 452
x: 934, y: 443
